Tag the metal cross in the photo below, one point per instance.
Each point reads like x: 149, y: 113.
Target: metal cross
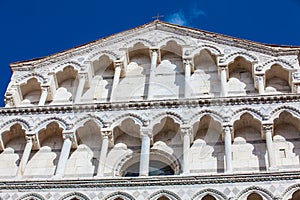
x: 157, y: 17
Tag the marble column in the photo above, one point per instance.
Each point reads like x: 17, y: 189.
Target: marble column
x: 269, y: 143
x: 26, y: 155
x: 260, y: 84
x: 186, y: 148
x: 43, y: 97
x: 64, y: 155
x: 187, y: 86
x: 224, y: 82
x: 154, y: 57
x: 228, y: 151
x: 106, y: 135
x: 82, y: 79
x: 117, y: 75
x: 145, y: 153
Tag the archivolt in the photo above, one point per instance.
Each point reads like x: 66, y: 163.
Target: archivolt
x: 62, y: 123
x: 113, y: 56
x: 73, y: 64
x: 255, y: 114
x: 41, y: 78
x: 31, y: 196
x: 285, y: 64
x: 265, y: 193
x: 169, y: 194
x: 80, y: 122
x: 145, y: 42
x: 215, y: 193
x: 287, y: 194
x: 230, y: 58
x: 212, y: 49
x: 175, y: 116
x: 76, y: 195
x: 165, y: 40
x: 277, y: 111
x: 6, y: 125
x: 196, y: 117
x: 136, y: 118
x: 122, y: 195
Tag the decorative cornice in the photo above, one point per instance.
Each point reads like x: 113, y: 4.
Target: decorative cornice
x: 124, y: 182
x: 153, y: 104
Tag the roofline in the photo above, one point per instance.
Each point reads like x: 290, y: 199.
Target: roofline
x: 156, y: 22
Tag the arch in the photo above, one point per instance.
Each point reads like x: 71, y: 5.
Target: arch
x: 6, y: 125
x: 176, y: 39
x: 254, y: 113
x: 268, y: 64
x: 41, y: 78
x: 98, y: 54
x: 288, y: 193
x: 212, y: 49
x: 197, y: 116
x: 215, y: 193
x: 144, y: 41
x: 277, y: 111
x: 261, y: 191
x: 72, y: 195
x: 119, y: 194
x: 247, y: 56
x: 166, y: 193
x: 61, y: 122
x: 277, y: 79
x: 175, y: 116
x: 80, y: 122
x: 136, y: 118
x: 31, y: 196
x: 77, y: 66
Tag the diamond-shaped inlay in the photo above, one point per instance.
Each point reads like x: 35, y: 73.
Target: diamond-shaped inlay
x: 235, y: 190
x: 272, y: 188
x: 48, y: 195
x: 92, y: 195
x: 56, y: 196
x: 100, y: 195
x: 227, y: 191
x: 136, y: 194
x: 14, y: 196
x: 145, y: 194
x: 190, y: 192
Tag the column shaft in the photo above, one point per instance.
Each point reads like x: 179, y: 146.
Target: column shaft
x: 223, y: 82
x: 102, y: 158
x: 80, y: 89
x: 187, y: 79
x: 186, y: 148
x: 269, y: 143
x: 116, y: 80
x: 260, y: 83
x: 25, y: 157
x: 43, y: 97
x: 228, y: 156
x: 154, y: 57
x: 63, y: 158
x: 145, y: 156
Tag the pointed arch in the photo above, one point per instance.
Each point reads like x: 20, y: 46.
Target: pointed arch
x: 61, y: 122
x: 166, y: 193
x: 136, y: 118
x: 119, y: 194
x: 197, y: 116
x: 215, y: 193
x: 80, y: 122
x: 31, y: 196
x: 284, y: 63
x: 6, y: 125
x: 259, y: 190
x: 175, y: 116
x: 72, y: 195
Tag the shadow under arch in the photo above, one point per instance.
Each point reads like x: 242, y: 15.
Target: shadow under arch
x: 6, y: 125
x: 76, y: 195
x: 214, y: 193
x: 290, y: 191
x: 122, y: 195
x: 164, y: 193
x: 31, y: 196
x: 255, y: 189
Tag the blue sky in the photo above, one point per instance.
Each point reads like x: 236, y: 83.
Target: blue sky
x: 35, y: 28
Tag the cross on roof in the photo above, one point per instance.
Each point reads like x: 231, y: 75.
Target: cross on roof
x: 157, y: 17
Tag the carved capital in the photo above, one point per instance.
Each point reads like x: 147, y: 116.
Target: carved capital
x: 186, y: 130
x: 146, y: 131
x: 187, y: 61
x: 68, y: 135
x: 267, y: 127
x: 259, y: 68
x: 30, y: 138
x: 83, y: 76
x: 106, y: 133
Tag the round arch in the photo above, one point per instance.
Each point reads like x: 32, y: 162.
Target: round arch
x: 247, y: 56
x: 166, y: 193
x: 31, y: 196
x: 213, y: 114
x: 97, y: 54
x: 212, y: 49
x: 72, y: 195
x: 175, y: 116
x: 288, y: 193
x: 119, y: 119
x: 6, y: 125
x: 277, y: 111
x: 145, y: 42
x: 75, y: 65
x: 80, y: 122
x: 119, y: 194
x: 178, y: 40
x: 41, y: 78
x: 283, y: 63
x: 215, y: 193
x: 261, y: 191
x: 61, y: 122
x: 257, y: 115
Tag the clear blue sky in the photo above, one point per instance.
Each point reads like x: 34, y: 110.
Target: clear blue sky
x: 36, y: 28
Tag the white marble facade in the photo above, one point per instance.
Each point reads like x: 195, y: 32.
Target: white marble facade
x: 157, y: 112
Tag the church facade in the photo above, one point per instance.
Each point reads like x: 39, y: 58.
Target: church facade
x: 156, y: 112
